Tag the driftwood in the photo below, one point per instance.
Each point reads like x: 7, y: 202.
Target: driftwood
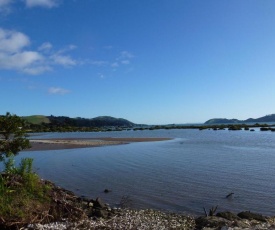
x: 211, y: 211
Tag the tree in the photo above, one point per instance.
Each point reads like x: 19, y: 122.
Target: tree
x: 13, y: 137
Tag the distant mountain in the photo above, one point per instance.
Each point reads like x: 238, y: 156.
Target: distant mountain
x: 103, y: 121
x: 267, y: 118
x: 222, y: 121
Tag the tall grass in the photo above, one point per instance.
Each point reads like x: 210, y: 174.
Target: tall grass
x: 22, y: 195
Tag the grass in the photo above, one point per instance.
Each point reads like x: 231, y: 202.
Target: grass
x: 23, y: 198
x: 26, y: 199
x: 37, y: 119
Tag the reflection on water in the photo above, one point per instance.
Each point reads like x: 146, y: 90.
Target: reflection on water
x: 196, y: 169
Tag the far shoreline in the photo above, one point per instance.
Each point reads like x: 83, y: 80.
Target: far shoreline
x: 74, y: 143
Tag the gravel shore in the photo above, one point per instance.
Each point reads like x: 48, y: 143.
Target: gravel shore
x: 156, y: 220
x: 128, y: 219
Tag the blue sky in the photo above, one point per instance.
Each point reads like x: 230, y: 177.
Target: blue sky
x: 149, y: 61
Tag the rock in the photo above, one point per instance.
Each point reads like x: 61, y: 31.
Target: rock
x: 101, y: 213
x: 230, y: 195
x: 212, y: 222
x: 228, y: 215
x: 251, y: 216
x: 107, y: 190
x: 242, y: 223
x: 98, y: 203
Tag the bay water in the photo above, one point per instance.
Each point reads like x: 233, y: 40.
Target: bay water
x: 194, y: 170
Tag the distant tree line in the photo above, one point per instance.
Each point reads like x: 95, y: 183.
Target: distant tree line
x: 67, y: 124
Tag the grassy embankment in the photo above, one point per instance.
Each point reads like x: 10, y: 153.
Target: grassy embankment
x: 25, y: 198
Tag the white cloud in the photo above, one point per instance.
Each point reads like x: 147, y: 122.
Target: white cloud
x: 12, y: 41
x: 5, y: 6
x: 19, y: 60
x: 114, y: 65
x: 14, y: 54
x: 5, y: 2
x: 125, y: 55
x: 46, y: 46
x: 37, y: 70
x: 58, y: 90
x: 42, y: 3
x: 64, y: 60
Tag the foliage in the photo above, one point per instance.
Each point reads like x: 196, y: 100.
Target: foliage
x: 24, y: 198
x: 12, y: 135
x: 21, y: 194
x: 36, y: 119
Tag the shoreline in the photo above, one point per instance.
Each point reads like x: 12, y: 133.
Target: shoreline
x: 73, y: 143
x: 100, y: 215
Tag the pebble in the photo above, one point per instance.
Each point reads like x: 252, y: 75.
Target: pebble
x: 146, y: 219
x: 126, y: 219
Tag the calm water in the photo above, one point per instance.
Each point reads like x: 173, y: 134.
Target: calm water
x: 194, y: 170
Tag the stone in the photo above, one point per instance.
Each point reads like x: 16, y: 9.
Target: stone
x: 228, y: 215
x: 107, y: 190
x: 212, y: 222
x: 251, y: 216
x: 101, y: 213
x: 98, y: 203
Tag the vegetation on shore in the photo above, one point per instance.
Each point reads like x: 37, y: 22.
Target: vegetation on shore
x: 263, y: 127
x: 24, y: 197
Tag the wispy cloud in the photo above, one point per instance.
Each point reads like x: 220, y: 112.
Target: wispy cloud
x: 125, y: 62
x: 5, y: 6
x: 125, y: 55
x: 117, y: 62
x: 46, y: 46
x: 58, y: 90
x: 15, y: 55
x: 98, y: 63
x: 42, y: 3
x: 4, y: 3
x: 114, y: 65
x: 64, y: 60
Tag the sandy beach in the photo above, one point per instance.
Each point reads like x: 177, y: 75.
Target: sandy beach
x: 70, y: 143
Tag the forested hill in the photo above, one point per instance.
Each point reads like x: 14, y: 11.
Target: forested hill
x: 267, y: 118
x: 103, y: 121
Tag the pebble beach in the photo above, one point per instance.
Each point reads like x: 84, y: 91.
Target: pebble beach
x: 156, y: 220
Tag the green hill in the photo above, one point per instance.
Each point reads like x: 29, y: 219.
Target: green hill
x: 37, y: 119
x: 267, y: 118
x: 102, y: 121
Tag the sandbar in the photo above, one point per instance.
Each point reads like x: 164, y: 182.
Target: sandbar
x: 71, y: 143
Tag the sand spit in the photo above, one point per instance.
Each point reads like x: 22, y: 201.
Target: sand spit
x: 70, y: 143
